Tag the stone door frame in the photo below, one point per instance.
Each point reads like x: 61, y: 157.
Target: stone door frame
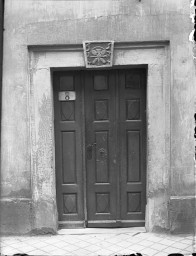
x: 42, y: 61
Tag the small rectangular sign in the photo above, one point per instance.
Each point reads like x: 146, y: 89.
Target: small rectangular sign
x: 67, y: 95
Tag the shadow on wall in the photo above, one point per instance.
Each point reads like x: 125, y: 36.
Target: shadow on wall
x: 195, y: 22
x: 195, y: 135
x: 194, y: 36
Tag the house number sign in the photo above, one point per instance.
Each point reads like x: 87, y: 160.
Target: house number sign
x: 98, y: 54
x: 67, y: 95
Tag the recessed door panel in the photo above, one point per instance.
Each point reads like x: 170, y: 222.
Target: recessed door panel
x: 133, y: 156
x: 101, y: 156
x: 69, y: 157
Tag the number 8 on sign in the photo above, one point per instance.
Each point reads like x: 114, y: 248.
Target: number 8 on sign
x: 66, y: 97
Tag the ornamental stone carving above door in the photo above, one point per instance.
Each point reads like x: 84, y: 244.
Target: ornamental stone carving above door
x: 98, y: 54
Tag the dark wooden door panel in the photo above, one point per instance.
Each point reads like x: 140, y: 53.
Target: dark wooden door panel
x: 132, y: 131
x: 101, y: 135
x: 68, y: 137
x: 108, y: 167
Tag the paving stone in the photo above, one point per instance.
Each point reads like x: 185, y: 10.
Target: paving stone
x: 9, y: 241
x: 105, y: 237
x: 158, y: 246
x: 34, y: 241
x: 49, y: 248
x: 105, y: 244
x: 175, y: 238
x: 190, y: 237
x: 70, y: 239
x: 126, y: 251
x: 83, y: 244
x: 154, y: 238
x: 136, y: 247
x: 124, y: 243
x: 190, y: 249
x: 81, y: 252
x: 134, y: 240
x: 93, y: 248
x: 114, y: 240
x: 104, y: 252
x: 161, y: 254
x: 53, y: 240
x: 98, y: 244
x: 179, y: 245
x: 92, y: 240
x: 144, y: 235
x: 123, y: 236
x: 37, y: 252
x: 149, y: 251
x: 38, y: 245
x: 167, y: 242
x: 61, y: 244
x: 72, y: 248
x: 20, y: 245
x: 115, y: 248
x: 171, y: 250
x: 10, y: 251
x: 59, y: 252
x: 187, y: 241
x: 146, y: 243
x: 185, y: 252
x: 27, y: 249
x: 2, y: 245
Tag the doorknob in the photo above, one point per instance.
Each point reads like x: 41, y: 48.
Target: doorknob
x: 89, y: 150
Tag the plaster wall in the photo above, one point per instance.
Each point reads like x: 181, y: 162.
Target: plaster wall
x: 46, y: 23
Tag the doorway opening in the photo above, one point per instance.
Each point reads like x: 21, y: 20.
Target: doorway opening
x: 100, y: 147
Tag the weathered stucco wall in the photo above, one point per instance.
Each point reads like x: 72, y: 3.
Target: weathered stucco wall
x: 70, y: 22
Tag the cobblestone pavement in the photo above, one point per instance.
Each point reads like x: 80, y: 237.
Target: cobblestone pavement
x: 99, y: 242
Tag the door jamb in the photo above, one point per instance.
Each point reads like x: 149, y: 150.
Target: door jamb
x: 157, y: 55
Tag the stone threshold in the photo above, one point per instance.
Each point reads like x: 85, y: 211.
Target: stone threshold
x: 83, y: 231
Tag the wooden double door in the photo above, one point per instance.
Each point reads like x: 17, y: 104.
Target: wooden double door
x: 100, y: 137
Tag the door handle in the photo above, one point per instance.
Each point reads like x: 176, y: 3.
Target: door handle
x: 89, y: 150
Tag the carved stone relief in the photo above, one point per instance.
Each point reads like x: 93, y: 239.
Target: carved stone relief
x: 98, y: 54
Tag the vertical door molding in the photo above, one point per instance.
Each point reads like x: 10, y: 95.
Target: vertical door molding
x: 42, y: 152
